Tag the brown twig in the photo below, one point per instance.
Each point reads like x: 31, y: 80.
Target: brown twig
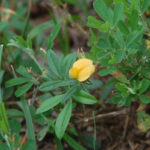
x: 113, y: 147
x: 7, y: 10
x: 115, y: 113
x: 131, y: 145
x: 125, y: 127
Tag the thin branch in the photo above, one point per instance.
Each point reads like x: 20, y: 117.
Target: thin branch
x: 115, y: 113
x: 125, y: 127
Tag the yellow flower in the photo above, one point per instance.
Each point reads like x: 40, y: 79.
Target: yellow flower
x: 82, y: 69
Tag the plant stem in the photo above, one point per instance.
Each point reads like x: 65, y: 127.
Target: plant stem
x: 27, y: 20
x: 60, y: 35
x: 4, y: 125
x: 94, y: 138
x: 29, y: 123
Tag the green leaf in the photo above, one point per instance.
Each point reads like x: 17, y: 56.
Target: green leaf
x: 49, y: 103
x: 42, y: 133
x: 123, y: 28
x: 53, y: 35
x: 22, y: 45
x: 132, y: 50
x: 22, y: 71
x: 94, y: 84
x: 68, y: 62
x: 125, y: 3
x: 133, y: 20
x: 16, y: 81
x: 102, y: 10
x: 135, y: 4
x: 15, y: 125
x: 133, y: 36
x: 40, y: 28
x: 29, y: 124
x: 14, y: 113
x: 4, y: 125
x: 4, y: 146
x: 145, y: 99
x: 73, y: 143
x: 84, y: 97
x: 63, y: 120
x: 52, y: 61
x: 117, y: 13
x: 69, y: 93
x: 59, y: 144
x: 116, y: 99
x: 1, y: 75
x: 107, y: 71
x: 122, y: 88
x: 120, y: 55
x: 145, y: 5
x: 106, y: 91
x: 4, y: 25
x: 29, y: 145
x: 121, y: 101
x: 94, y: 23
x: 143, y: 120
x: 120, y: 38
x: 144, y: 85
x: 21, y: 90
x: 103, y: 44
x: 51, y: 85
x: 145, y: 72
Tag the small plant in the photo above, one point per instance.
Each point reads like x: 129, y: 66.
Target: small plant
x: 46, y: 90
x: 122, y: 50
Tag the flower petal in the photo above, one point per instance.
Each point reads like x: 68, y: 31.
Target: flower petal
x: 73, y: 73
x: 86, y: 73
x: 82, y: 63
